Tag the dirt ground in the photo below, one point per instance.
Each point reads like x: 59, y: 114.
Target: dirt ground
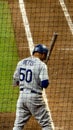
x: 45, y: 17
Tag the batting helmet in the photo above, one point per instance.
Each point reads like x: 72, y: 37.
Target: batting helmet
x: 41, y: 49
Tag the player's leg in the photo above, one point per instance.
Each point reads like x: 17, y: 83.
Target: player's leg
x: 43, y: 118
x: 46, y: 128
x: 40, y: 112
x: 22, y: 115
x: 21, y: 118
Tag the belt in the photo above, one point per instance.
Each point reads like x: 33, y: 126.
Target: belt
x: 32, y: 91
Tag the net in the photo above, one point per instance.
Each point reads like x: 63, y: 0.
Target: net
x: 23, y: 24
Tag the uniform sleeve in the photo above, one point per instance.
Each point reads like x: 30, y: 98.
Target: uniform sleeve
x: 16, y: 76
x: 44, y: 78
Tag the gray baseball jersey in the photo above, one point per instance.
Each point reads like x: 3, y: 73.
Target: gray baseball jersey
x: 30, y: 72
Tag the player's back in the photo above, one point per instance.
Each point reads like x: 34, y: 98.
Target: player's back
x: 29, y: 73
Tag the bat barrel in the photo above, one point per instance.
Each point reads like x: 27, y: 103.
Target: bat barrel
x: 51, y: 46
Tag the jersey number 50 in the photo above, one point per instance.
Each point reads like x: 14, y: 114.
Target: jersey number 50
x: 25, y: 74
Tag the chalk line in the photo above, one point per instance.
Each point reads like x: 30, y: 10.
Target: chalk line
x: 26, y: 25
x: 67, y: 16
x: 65, y: 49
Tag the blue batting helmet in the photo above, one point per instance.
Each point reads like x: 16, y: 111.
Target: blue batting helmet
x: 41, y: 49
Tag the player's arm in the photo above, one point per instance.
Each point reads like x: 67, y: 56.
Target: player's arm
x: 16, y: 77
x: 45, y: 83
x: 15, y: 82
x: 44, y: 77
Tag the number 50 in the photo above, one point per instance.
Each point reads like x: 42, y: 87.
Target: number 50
x: 25, y: 74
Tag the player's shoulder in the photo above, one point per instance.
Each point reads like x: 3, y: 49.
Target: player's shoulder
x: 24, y: 61
x: 21, y: 61
x: 42, y: 64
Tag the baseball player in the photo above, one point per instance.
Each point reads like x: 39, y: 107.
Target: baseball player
x: 31, y: 76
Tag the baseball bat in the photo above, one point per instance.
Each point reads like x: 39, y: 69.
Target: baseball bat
x: 53, y: 40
